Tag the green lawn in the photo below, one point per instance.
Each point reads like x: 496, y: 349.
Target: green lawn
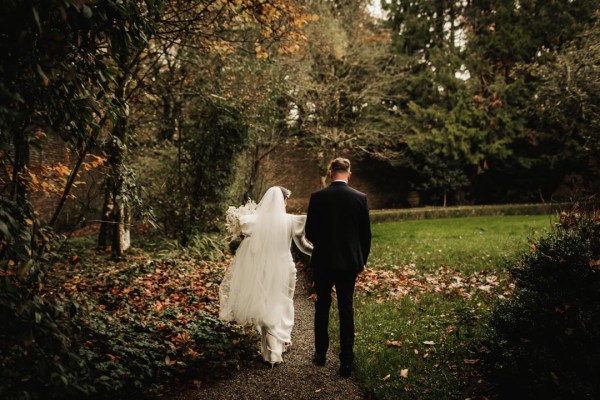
x: 466, y: 244
x: 425, y: 343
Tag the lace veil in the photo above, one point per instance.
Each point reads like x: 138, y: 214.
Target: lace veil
x: 255, y: 287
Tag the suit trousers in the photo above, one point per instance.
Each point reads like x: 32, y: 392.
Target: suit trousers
x: 344, y: 282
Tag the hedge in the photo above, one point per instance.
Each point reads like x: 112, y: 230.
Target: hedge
x: 378, y: 216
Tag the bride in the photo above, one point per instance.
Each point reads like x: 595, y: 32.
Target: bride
x: 259, y: 285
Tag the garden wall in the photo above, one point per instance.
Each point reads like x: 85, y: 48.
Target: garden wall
x: 296, y: 169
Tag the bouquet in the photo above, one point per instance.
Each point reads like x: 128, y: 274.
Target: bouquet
x: 233, y: 215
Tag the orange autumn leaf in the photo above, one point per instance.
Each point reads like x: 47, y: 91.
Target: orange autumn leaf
x: 169, y: 362
x: 393, y: 343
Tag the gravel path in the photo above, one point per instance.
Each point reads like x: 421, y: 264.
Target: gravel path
x: 297, y: 378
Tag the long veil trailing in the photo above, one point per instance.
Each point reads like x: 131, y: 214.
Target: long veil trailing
x: 256, y: 285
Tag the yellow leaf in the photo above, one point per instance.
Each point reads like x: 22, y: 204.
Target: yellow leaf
x: 169, y: 362
x: 404, y: 373
x: 385, y: 378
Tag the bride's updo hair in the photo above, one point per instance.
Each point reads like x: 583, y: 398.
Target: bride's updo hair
x: 286, y: 192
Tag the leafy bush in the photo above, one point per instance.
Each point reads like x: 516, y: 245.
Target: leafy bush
x: 101, y: 329
x: 545, y: 339
x: 201, y: 246
x: 206, y: 247
x: 38, y: 355
x: 26, y: 244
x: 407, y: 214
x: 38, y: 358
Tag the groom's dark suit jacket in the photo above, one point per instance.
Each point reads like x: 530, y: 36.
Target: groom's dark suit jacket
x: 338, y: 226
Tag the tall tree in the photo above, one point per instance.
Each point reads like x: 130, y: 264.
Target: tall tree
x: 337, y: 85
x: 428, y: 96
x: 208, y: 56
x: 202, y: 25
x: 464, y: 97
x: 55, y: 79
x: 506, y: 42
x: 568, y: 102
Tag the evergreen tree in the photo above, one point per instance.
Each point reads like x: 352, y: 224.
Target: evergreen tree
x: 464, y: 95
x: 428, y: 98
x: 508, y: 42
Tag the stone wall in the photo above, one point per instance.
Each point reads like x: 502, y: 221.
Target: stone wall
x: 296, y: 169
x: 289, y: 166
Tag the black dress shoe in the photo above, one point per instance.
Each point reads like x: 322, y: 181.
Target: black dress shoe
x: 319, y: 360
x: 345, y: 370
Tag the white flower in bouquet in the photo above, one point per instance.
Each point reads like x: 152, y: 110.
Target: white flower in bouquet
x: 233, y: 215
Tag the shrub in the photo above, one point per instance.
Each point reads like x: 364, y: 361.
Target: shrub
x: 406, y: 214
x: 100, y: 330
x: 38, y: 358
x: 544, y: 340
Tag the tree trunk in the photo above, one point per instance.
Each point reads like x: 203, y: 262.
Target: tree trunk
x: 105, y: 235
x: 115, y: 215
x: 21, y: 160
x: 122, y: 233
x: 445, y: 196
x: 172, y: 111
x: 256, y: 160
x: 68, y: 186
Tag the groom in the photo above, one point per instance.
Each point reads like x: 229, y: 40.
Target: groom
x: 338, y: 226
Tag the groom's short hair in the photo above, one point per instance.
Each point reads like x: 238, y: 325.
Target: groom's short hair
x: 340, y: 164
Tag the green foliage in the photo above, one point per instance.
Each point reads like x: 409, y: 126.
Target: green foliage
x: 15, y: 234
x: 104, y: 330
x: 466, y: 75
x: 463, y: 211
x: 26, y: 245
x: 217, y: 135
x: 191, y: 180
x: 38, y: 346
x: 201, y: 246
x: 206, y: 247
x: 508, y: 47
x: 544, y: 340
x: 506, y: 34
x: 569, y: 104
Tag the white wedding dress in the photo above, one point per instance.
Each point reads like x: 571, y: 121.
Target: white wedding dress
x: 258, y: 287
